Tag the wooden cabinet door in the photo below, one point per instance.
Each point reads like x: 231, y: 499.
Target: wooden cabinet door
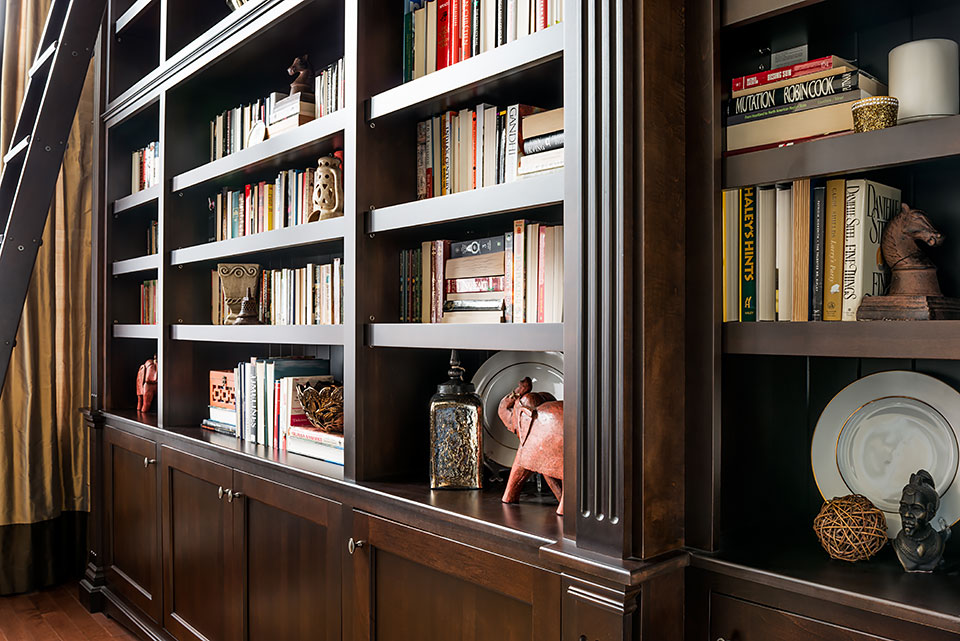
x: 201, y: 593
x: 290, y: 566
x: 409, y: 584
x: 132, y: 527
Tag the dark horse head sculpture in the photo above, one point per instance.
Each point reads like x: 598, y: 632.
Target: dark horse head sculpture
x: 303, y: 70
x: 902, y: 254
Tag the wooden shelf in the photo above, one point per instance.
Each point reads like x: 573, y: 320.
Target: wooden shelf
x: 276, y: 240
x: 540, y: 337
x: 279, y: 334
x: 134, y: 265
x: 900, y: 145
x: 136, y: 331
x: 863, y: 339
x: 466, y: 76
x: 879, y: 585
x: 133, y: 13
x: 143, y: 197
x: 740, y: 12
x: 527, y: 193
x: 278, y: 152
x: 133, y: 417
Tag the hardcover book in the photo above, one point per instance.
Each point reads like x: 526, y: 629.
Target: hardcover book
x: 801, y: 249
x: 766, y: 253
x: 869, y: 206
x: 748, y: 254
x: 833, y: 251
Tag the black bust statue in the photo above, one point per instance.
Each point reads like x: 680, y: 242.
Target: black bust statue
x: 919, y: 547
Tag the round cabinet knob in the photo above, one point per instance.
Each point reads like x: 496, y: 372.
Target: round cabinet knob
x: 353, y: 545
x: 148, y: 461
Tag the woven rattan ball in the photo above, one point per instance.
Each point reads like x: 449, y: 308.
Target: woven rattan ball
x: 851, y: 528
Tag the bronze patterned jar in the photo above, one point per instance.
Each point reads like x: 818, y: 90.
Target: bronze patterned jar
x: 456, y: 428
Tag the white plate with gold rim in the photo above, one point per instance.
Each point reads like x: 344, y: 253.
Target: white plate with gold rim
x: 881, y: 429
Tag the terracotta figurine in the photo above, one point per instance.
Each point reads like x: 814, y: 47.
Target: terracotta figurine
x: 919, y: 547
x: 303, y: 70
x: 146, y: 384
x: 537, y: 420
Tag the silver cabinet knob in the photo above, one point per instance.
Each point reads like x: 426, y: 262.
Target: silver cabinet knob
x: 148, y: 461
x: 220, y: 492
x: 353, y: 545
x: 233, y: 495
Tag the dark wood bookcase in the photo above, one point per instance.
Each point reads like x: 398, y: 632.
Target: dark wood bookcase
x: 420, y: 563
x: 756, y: 390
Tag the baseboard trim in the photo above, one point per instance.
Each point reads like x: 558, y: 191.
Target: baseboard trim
x: 90, y: 596
x: 130, y: 618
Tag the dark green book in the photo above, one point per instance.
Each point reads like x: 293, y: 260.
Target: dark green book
x: 748, y: 254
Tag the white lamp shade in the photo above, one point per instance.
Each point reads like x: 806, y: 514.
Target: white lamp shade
x: 925, y: 78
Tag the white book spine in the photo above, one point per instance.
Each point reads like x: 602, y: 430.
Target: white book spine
x: 767, y: 254
x: 784, y: 256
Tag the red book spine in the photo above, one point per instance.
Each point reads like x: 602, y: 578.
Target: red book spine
x: 480, y: 284
x: 783, y: 73
x: 542, y: 14
x: 246, y: 211
x: 465, y: 16
x: 519, y: 272
x: 443, y: 33
x: 541, y: 261
x: 454, y: 25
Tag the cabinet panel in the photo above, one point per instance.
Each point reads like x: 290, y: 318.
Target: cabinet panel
x: 201, y: 594
x: 731, y: 618
x: 409, y: 584
x: 132, y: 533
x: 291, y: 562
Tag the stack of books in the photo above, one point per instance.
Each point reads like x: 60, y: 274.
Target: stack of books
x: 263, y: 206
x: 148, y: 302
x: 804, y: 251
x: 440, y: 33
x: 472, y: 148
x: 267, y: 411
x: 153, y: 233
x: 309, y: 295
x: 797, y: 103
x: 542, y: 136
x: 291, y: 112
x: 330, y: 89
x: 230, y: 131
x: 145, y: 168
x: 514, y: 277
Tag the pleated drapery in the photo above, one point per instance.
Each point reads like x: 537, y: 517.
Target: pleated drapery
x: 43, y: 443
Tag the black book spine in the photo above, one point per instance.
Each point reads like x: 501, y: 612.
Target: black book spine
x: 797, y: 92
x: 477, y: 247
x: 546, y: 142
x: 816, y: 249
x: 475, y: 32
x: 501, y: 22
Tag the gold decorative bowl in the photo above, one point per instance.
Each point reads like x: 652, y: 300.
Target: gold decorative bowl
x: 877, y: 112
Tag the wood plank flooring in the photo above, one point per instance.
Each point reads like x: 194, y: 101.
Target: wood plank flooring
x: 55, y: 614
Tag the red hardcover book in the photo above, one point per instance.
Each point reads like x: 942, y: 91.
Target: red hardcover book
x: 470, y: 285
x: 466, y: 13
x: 454, y: 26
x: 508, y: 277
x: 473, y: 150
x: 443, y: 33
x: 519, y: 272
x: 439, y: 252
x: 541, y: 271
x: 541, y: 14
x: 246, y: 211
x: 783, y: 73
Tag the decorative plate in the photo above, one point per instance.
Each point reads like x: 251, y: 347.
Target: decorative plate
x: 496, y: 378
x: 881, y: 429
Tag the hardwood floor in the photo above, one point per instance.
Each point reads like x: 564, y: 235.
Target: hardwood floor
x: 55, y: 614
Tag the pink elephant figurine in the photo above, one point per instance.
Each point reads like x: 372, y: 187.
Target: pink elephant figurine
x: 146, y: 384
x: 537, y: 419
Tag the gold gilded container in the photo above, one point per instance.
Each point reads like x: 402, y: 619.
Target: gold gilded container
x: 456, y: 428
x: 877, y: 112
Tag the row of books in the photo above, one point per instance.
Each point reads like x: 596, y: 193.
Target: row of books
x: 514, y: 277
x: 790, y: 104
x: 330, y: 89
x: 148, y: 302
x: 806, y: 250
x: 230, y: 130
x: 266, y: 410
x: 145, y: 168
x: 309, y: 295
x: 263, y: 206
x: 484, y: 146
x: 440, y: 33
x: 153, y: 237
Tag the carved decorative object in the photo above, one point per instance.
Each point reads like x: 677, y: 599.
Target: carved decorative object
x: 303, y: 72
x: 914, y: 290
x: 851, y: 528
x: 456, y: 433
x: 327, y: 189
x: 537, y: 420
x: 222, y: 389
x: 920, y: 547
x: 236, y: 279
x: 249, y: 311
x: 146, y: 384
x: 323, y: 407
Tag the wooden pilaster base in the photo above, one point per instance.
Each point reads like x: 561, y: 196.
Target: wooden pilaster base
x: 909, y: 308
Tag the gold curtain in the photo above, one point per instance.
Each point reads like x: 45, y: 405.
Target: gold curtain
x: 43, y: 442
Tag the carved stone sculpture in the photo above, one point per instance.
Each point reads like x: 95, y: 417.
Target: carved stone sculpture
x: 248, y: 311
x: 327, y: 189
x: 235, y: 280
x: 914, y: 292
x: 146, y: 384
x: 919, y: 547
x: 303, y: 70
x: 537, y: 420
